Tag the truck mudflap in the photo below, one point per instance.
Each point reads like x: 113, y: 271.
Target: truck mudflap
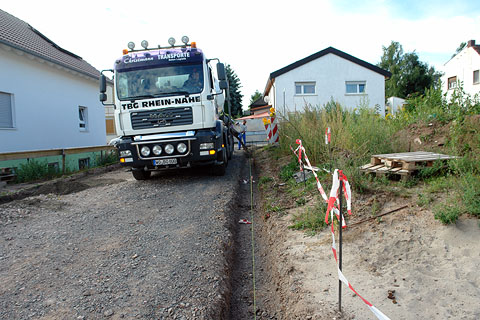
x: 172, y: 150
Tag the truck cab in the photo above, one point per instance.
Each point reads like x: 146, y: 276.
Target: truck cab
x: 169, y: 109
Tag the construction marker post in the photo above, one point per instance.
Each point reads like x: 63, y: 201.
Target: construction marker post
x: 340, y: 245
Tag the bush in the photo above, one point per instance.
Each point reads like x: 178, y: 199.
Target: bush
x: 35, y: 170
x: 110, y: 158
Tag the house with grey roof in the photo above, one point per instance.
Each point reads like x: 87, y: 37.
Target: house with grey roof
x: 48, y: 95
x: 327, y: 75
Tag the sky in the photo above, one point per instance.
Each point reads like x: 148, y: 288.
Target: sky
x: 255, y: 37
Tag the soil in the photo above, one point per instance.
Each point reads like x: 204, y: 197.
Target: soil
x: 407, y: 264
x: 430, y: 136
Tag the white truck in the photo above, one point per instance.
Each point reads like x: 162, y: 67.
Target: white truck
x: 169, y: 109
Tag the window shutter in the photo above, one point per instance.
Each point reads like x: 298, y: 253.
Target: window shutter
x: 6, y: 120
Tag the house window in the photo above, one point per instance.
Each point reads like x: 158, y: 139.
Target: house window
x: 82, y: 118
x: 304, y: 87
x: 6, y: 110
x: 452, y: 83
x: 476, y: 79
x: 355, y: 87
x: 83, y: 163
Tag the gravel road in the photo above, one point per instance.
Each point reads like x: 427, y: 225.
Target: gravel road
x: 108, y: 246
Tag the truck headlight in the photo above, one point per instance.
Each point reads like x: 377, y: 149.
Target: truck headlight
x: 181, y: 147
x: 125, y: 153
x: 205, y: 146
x: 169, y: 149
x: 157, y: 150
x: 145, y: 151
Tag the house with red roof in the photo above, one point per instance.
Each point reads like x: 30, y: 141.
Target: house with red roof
x: 463, y: 68
x: 48, y: 95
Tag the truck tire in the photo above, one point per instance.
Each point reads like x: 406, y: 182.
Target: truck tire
x: 140, y: 174
x: 219, y: 170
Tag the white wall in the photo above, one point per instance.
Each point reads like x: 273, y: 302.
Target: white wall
x: 46, y: 100
x: 330, y: 73
x: 462, y: 66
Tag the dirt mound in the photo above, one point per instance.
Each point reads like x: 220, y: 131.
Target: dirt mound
x: 430, y: 136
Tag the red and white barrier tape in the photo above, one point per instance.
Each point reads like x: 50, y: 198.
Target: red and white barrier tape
x: 301, y: 149
x: 332, y: 208
x: 327, y: 135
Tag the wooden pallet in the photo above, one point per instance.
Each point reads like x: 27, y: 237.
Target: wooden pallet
x: 7, y: 174
x: 403, y: 164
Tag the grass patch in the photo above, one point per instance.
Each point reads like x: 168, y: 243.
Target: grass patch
x: 311, y: 219
x: 264, y: 180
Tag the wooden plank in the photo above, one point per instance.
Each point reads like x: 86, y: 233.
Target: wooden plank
x: 374, y: 168
x: 49, y: 153
x: 366, y: 166
x: 7, y: 177
x: 383, y: 169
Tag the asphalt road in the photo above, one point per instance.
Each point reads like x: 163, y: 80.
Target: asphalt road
x: 114, y: 247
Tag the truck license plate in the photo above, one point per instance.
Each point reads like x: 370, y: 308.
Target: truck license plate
x: 163, y: 162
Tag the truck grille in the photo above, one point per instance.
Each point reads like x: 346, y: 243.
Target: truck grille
x: 162, y: 118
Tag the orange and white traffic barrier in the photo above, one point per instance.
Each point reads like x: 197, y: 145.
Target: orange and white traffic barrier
x: 266, y: 123
x: 273, y: 124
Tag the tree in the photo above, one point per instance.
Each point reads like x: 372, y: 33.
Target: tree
x: 254, y: 97
x: 234, y: 90
x: 460, y: 48
x: 409, y: 74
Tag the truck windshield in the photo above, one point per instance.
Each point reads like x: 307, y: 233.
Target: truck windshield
x: 182, y: 79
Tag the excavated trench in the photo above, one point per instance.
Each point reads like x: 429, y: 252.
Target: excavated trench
x: 247, y: 268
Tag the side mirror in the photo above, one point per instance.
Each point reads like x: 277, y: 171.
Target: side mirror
x: 222, y: 75
x: 223, y: 84
x: 103, y: 84
x: 103, y: 97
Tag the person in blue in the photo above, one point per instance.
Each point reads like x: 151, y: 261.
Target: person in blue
x: 242, y: 134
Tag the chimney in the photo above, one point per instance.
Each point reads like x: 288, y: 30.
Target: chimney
x: 470, y: 43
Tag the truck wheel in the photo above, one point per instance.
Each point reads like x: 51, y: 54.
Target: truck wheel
x: 140, y: 174
x: 219, y: 170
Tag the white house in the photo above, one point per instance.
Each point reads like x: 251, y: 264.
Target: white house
x: 48, y: 95
x: 323, y: 76
x: 463, y: 68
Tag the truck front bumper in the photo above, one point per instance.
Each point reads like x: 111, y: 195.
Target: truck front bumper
x: 203, y: 147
